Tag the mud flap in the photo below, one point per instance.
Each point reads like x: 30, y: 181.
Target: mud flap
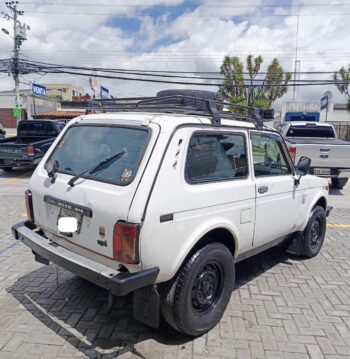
x: 147, y: 306
x: 38, y: 258
x: 295, y: 245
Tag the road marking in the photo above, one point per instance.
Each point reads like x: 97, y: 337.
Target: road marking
x: 16, y: 179
x: 338, y: 225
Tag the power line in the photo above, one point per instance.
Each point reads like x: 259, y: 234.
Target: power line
x: 69, y: 70
x: 51, y: 65
x: 186, y: 15
x: 189, y: 6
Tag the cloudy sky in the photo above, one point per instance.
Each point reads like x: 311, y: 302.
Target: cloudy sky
x: 180, y: 35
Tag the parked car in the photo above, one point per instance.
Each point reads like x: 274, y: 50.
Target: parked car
x: 163, y: 198
x: 34, y: 137
x: 2, y: 132
x: 330, y: 156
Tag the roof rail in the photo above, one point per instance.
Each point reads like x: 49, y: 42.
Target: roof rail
x: 181, y: 104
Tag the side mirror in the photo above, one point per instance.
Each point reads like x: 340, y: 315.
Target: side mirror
x: 51, y: 167
x: 303, y: 166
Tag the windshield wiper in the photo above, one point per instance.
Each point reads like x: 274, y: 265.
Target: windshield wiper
x: 95, y: 167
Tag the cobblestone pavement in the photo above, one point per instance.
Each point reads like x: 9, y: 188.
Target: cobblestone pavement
x: 282, y: 307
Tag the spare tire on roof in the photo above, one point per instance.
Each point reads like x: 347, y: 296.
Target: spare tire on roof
x: 200, y: 94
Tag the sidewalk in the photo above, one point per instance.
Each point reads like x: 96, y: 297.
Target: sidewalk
x: 11, y: 132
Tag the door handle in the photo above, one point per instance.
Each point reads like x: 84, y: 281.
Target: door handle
x: 263, y: 189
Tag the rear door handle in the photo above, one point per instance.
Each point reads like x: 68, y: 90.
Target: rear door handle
x: 263, y: 189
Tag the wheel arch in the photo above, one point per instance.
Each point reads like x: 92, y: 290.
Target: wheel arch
x: 322, y: 202
x: 318, y: 201
x: 220, y: 234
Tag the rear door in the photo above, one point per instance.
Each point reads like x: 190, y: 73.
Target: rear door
x: 278, y: 200
x: 101, y: 198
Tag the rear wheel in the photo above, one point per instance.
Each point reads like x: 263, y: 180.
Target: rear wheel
x: 339, y: 182
x: 314, y: 233
x: 195, y: 301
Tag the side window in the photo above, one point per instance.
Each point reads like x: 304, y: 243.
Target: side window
x: 268, y: 156
x: 216, y: 157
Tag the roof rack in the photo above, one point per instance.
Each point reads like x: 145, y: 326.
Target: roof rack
x: 184, y: 105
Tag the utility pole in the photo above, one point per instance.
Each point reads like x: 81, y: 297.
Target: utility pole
x: 19, y: 35
x: 295, y: 90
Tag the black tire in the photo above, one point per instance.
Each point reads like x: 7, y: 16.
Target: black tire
x: 339, y: 183
x: 196, y: 299
x: 201, y: 94
x: 207, y: 95
x: 6, y: 169
x: 314, y: 233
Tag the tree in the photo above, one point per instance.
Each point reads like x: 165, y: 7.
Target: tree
x: 248, y: 91
x: 342, y: 81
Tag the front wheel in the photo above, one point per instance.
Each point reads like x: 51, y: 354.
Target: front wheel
x: 314, y: 233
x: 195, y: 301
x: 339, y: 183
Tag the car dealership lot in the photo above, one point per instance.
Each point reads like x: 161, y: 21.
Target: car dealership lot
x: 283, y: 307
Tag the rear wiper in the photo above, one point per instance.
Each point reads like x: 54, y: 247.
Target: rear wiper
x: 97, y: 166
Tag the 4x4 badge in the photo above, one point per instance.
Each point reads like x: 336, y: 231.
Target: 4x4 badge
x: 102, y: 243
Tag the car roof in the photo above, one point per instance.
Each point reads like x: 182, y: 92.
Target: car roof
x: 166, y: 121
x: 304, y: 123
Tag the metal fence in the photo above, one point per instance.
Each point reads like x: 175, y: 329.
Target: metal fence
x: 343, y: 130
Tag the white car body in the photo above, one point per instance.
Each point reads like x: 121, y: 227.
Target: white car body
x: 174, y: 215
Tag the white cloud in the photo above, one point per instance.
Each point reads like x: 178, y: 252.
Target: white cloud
x: 195, y: 41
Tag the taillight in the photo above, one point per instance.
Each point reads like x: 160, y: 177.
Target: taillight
x: 126, y: 243
x: 29, y: 205
x: 30, y: 151
x: 292, y: 152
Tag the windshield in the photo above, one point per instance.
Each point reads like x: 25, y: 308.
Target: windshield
x: 314, y: 131
x: 32, y: 128
x: 84, y: 146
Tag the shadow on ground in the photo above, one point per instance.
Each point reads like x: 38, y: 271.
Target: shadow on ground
x: 22, y: 172
x: 78, y: 310
x: 336, y: 192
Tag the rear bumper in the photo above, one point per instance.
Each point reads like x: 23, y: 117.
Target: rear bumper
x: 118, y: 283
x: 19, y: 162
x: 334, y: 173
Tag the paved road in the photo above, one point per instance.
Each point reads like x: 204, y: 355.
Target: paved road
x: 282, y: 307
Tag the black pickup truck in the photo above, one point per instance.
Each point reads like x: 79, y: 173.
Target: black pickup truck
x: 34, y: 137
x: 2, y: 132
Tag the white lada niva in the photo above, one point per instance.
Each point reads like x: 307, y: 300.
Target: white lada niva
x: 161, y: 197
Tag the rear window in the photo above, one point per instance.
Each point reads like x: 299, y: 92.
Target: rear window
x: 84, y: 146
x: 312, y: 131
x: 32, y: 128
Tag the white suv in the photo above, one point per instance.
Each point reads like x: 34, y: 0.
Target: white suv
x: 162, y: 199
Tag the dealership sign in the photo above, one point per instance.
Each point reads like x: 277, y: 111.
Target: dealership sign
x: 324, y: 102
x: 38, y: 90
x: 17, y: 112
x: 104, y: 92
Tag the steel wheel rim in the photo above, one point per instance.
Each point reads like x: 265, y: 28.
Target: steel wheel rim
x: 207, y: 287
x: 316, y: 232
